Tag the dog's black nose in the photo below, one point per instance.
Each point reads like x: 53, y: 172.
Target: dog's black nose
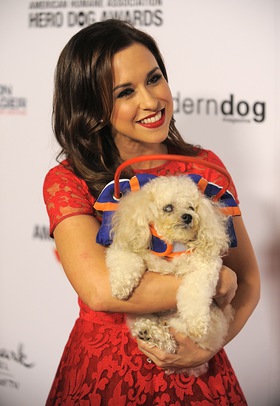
x: 187, y: 218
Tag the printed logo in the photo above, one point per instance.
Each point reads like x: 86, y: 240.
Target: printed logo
x: 7, y: 358
x: 80, y: 13
x: 9, y: 103
x: 42, y: 232
x: 231, y: 108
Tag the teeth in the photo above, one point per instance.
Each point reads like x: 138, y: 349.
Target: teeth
x: 152, y: 119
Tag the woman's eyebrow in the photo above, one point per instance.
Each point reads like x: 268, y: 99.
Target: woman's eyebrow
x: 129, y: 83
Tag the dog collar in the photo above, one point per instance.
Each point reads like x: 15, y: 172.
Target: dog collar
x: 162, y: 248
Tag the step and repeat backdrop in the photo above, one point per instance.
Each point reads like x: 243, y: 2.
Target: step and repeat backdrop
x: 223, y: 62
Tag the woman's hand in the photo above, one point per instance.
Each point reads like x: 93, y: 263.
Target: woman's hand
x: 226, y: 287
x: 188, y: 355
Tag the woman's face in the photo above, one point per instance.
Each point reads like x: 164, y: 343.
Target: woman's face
x: 143, y: 104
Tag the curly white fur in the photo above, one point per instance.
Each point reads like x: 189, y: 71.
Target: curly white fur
x: 179, y: 213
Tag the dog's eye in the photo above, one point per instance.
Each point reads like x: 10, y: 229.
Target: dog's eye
x: 191, y: 208
x: 168, y: 208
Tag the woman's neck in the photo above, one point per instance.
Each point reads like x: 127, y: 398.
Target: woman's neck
x: 144, y: 149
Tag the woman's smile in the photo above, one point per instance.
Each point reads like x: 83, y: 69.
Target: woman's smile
x: 153, y: 120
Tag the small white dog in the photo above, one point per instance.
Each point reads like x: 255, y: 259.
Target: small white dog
x: 170, y: 227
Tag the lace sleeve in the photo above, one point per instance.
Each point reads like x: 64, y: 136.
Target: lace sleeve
x: 65, y: 195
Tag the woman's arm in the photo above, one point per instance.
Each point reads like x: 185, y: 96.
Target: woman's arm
x: 243, y: 261
x: 83, y: 261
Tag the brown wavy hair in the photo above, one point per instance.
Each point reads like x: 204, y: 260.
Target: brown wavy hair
x: 83, y: 100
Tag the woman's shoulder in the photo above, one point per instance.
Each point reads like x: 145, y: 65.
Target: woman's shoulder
x: 65, y: 194
x: 220, y: 177
x: 60, y: 171
x: 61, y: 180
x: 62, y: 175
x: 210, y: 156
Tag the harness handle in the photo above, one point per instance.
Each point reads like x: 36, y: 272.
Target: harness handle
x: 169, y: 157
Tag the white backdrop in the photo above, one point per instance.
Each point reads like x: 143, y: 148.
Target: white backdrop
x: 223, y: 63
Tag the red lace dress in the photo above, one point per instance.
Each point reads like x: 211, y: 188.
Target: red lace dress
x: 101, y: 363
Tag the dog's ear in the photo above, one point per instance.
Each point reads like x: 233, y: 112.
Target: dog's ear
x: 130, y: 223
x: 212, y: 234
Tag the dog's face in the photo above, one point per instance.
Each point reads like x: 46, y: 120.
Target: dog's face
x: 174, y: 203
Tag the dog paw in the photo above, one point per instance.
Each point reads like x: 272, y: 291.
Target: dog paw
x: 198, y: 328
x: 144, y: 335
x: 126, y: 269
x: 122, y: 285
x: 121, y: 292
x: 155, y: 333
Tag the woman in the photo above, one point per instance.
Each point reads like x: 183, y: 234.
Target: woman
x: 112, y: 102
